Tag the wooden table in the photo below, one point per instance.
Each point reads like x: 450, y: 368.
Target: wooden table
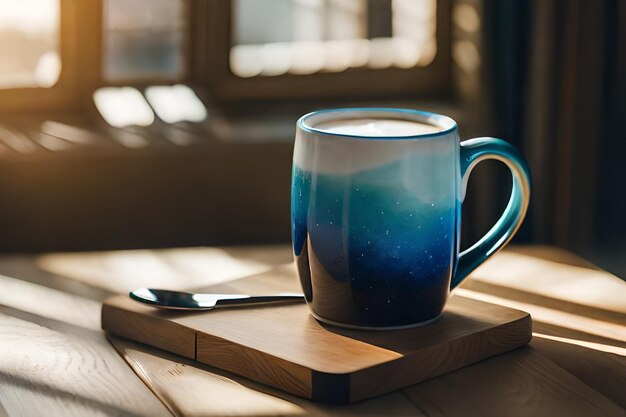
x: 55, y: 360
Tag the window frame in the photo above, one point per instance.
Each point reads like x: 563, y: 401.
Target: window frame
x: 142, y: 82
x: 82, y: 50
x: 79, y: 30
x: 213, y: 69
x: 207, y: 50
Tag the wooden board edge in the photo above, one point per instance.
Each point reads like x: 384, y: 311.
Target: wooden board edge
x: 254, y: 364
x: 409, y: 370
x: 138, y: 327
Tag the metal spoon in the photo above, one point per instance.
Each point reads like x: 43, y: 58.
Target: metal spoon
x: 177, y: 300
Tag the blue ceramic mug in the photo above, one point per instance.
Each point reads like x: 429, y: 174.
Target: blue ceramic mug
x: 376, y: 218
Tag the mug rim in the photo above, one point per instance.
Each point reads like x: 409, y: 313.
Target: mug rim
x: 447, y: 124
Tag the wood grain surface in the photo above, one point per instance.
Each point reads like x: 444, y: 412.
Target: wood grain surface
x: 54, y: 360
x: 190, y: 388
x: 591, y: 367
x: 285, y: 347
x: 521, y: 383
x: 575, y: 364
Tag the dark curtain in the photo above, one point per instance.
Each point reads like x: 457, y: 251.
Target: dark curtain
x: 611, y: 197
x: 558, y: 73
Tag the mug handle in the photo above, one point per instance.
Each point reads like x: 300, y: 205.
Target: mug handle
x: 474, y: 151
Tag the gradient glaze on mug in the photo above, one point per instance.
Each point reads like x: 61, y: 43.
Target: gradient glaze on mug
x: 374, y: 224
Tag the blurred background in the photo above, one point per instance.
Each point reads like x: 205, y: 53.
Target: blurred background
x: 155, y: 123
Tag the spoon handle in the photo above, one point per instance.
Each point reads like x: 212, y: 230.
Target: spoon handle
x: 260, y: 299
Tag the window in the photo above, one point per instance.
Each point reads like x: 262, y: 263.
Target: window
x: 48, y: 56
x: 233, y: 49
x: 29, y: 41
x: 312, y: 49
x: 144, y: 39
x: 312, y: 36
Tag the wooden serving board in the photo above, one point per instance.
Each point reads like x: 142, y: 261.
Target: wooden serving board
x: 285, y: 347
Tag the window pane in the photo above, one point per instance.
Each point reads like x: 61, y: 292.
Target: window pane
x: 144, y: 39
x: 274, y: 37
x: 29, y: 42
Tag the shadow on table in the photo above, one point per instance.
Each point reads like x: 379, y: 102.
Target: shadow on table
x: 546, y: 301
x: 193, y: 388
x: 43, y: 394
